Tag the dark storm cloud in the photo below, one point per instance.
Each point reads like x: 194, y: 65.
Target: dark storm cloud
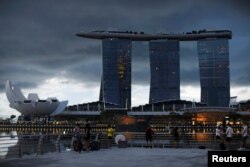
x: 141, y: 73
x: 189, y: 67
x: 140, y: 63
x: 37, y: 38
x: 21, y: 84
x: 23, y: 77
x: 87, y: 71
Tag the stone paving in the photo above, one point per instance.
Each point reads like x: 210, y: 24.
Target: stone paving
x: 115, y: 157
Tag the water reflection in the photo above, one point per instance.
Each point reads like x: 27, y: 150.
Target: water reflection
x: 7, y: 141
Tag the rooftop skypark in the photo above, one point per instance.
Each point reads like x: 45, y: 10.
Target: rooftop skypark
x: 141, y: 36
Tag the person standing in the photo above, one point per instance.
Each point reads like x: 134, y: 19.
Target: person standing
x: 76, y: 130
x: 77, y: 142
x: 219, y: 137
x: 244, y: 136
x: 149, y: 136
x: 229, y: 135
x: 218, y: 133
x: 176, y: 135
x: 110, y: 134
x: 87, y: 134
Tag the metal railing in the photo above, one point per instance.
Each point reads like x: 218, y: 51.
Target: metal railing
x: 186, y: 140
x: 24, y: 145
x: 34, y: 145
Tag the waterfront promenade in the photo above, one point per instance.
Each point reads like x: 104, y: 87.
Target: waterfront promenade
x: 117, y: 157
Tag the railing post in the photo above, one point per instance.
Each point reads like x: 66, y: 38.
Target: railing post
x: 20, y: 149
x: 58, y: 144
x: 39, y: 147
x: 72, y: 141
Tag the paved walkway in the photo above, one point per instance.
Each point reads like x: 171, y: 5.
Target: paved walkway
x: 115, y: 157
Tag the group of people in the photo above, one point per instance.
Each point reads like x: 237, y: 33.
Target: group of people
x: 224, y: 136
x: 81, y: 139
x: 149, y: 136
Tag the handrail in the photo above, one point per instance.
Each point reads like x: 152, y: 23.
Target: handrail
x: 40, y: 144
x: 30, y: 144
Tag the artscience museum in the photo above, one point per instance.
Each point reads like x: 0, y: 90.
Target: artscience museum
x: 32, y: 106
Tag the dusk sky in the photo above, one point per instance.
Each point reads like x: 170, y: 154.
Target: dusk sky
x: 40, y: 53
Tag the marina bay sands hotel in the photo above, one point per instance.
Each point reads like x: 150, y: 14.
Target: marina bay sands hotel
x: 164, y: 52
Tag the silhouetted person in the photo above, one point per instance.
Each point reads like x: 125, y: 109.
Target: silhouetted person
x: 149, y: 136
x: 176, y: 135
x: 76, y: 130
x: 87, y: 134
x: 77, y: 141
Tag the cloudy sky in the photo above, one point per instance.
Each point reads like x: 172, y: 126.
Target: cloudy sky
x: 40, y: 53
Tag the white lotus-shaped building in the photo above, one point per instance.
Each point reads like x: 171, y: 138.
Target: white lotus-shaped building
x: 32, y: 105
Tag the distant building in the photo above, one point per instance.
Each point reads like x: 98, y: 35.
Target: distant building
x: 164, y: 50
x: 214, y: 71
x: 91, y: 106
x: 169, y: 105
x: 165, y: 70
x: 32, y: 106
x: 243, y: 105
x: 116, y: 77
